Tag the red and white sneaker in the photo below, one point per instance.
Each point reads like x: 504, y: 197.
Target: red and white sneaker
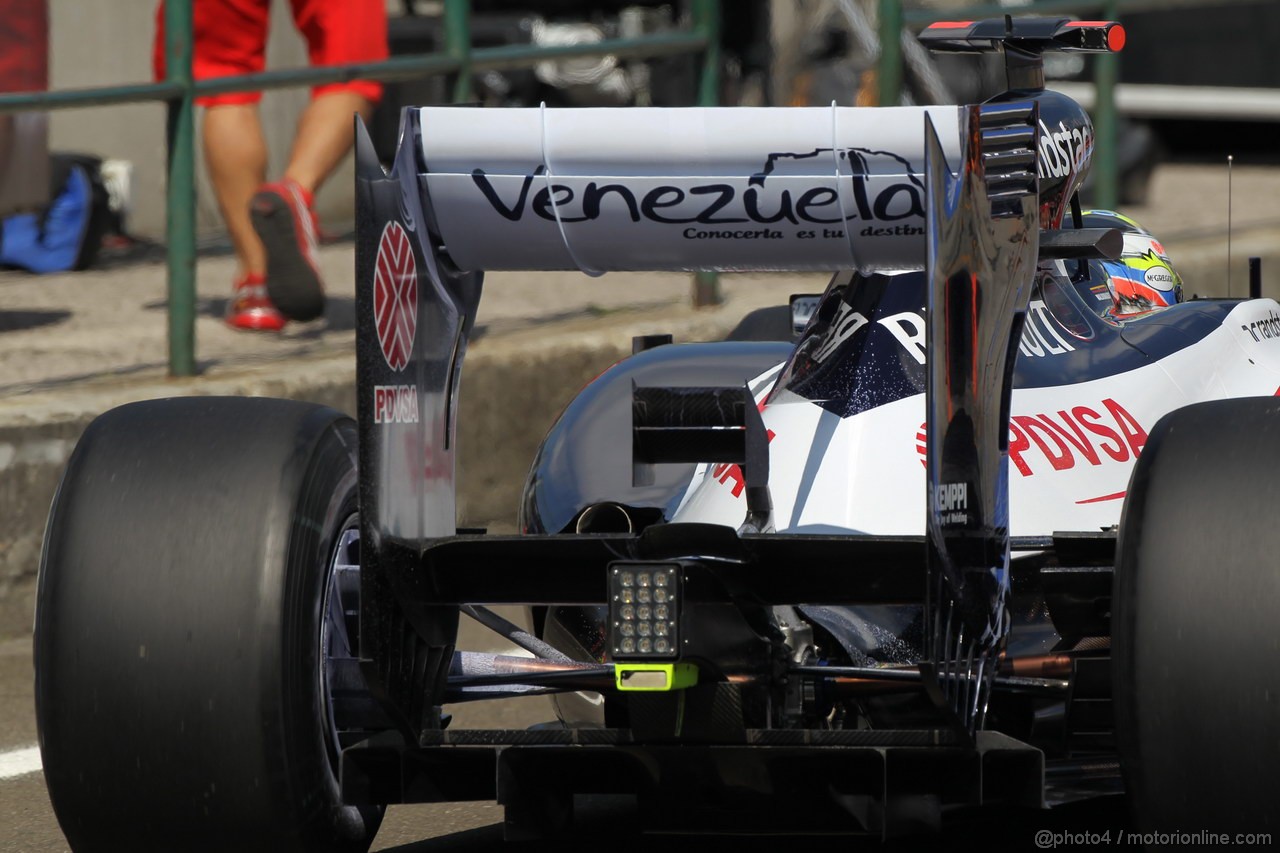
x: 250, y: 308
x: 282, y: 216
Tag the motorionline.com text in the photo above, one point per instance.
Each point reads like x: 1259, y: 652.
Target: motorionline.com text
x: 1049, y: 839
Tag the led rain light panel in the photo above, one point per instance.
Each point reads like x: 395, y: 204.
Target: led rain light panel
x: 644, y: 610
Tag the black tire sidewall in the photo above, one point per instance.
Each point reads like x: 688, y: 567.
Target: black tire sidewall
x: 177, y: 644
x: 327, y: 499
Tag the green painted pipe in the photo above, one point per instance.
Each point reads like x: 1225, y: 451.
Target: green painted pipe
x: 706, y: 22
x: 1106, y: 129
x: 180, y: 189
x: 98, y: 96
x: 396, y: 68
x: 889, y: 70
x: 457, y: 44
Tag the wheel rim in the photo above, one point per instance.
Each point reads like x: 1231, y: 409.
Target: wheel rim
x: 341, y: 684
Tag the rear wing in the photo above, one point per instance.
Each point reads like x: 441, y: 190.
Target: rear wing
x: 679, y: 189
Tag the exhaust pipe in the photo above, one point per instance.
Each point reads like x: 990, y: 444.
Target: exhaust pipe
x: 608, y: 517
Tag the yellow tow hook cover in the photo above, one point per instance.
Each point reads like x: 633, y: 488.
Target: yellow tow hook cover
x: 655, y: 676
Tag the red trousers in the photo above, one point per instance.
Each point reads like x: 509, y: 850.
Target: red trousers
x: 231, y: 39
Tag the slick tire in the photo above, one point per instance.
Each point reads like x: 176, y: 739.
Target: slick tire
x: 179, y: 694
x: 1196, y: 644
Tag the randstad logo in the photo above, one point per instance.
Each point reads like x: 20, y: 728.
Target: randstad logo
x: 1063, y: 150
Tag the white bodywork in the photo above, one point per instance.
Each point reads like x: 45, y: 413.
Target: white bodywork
x: 1071, y: 447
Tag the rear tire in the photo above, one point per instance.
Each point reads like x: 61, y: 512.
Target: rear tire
x: 1196, y: 656
x: 179, y: 690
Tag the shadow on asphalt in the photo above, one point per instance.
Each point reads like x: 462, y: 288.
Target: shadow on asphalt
x: 1076, y: 827
x: 339, y: 312
x: 18, y: 321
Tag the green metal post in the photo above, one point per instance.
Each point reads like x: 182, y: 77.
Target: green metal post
x: 706, y: 21
x: 457, y: 43
x: 1105, y: 124
x: 180, y: 216
x: 889, y: 68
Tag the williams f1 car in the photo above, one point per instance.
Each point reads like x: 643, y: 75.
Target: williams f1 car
x: 995, y: 529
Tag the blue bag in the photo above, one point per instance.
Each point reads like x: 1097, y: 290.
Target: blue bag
x: 68, y: 233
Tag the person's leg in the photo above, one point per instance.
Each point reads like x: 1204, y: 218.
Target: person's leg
x: 337, y: 32
x: 230, y: 39
x: 235, y: 154
x: 236, y: 157
x: 324, y: 136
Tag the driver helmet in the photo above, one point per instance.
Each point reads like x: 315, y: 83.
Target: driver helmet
x: 1143, y: 279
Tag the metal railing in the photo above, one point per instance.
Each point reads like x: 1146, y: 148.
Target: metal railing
x: 179, y: 90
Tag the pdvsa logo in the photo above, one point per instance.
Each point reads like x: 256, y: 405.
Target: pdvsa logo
x: 395, y: 404
x: 395, y: 295
x: 395, y: 317
x: 1068, y: 438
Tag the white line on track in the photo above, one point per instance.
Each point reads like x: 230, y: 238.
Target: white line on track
x: 20, y: 762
